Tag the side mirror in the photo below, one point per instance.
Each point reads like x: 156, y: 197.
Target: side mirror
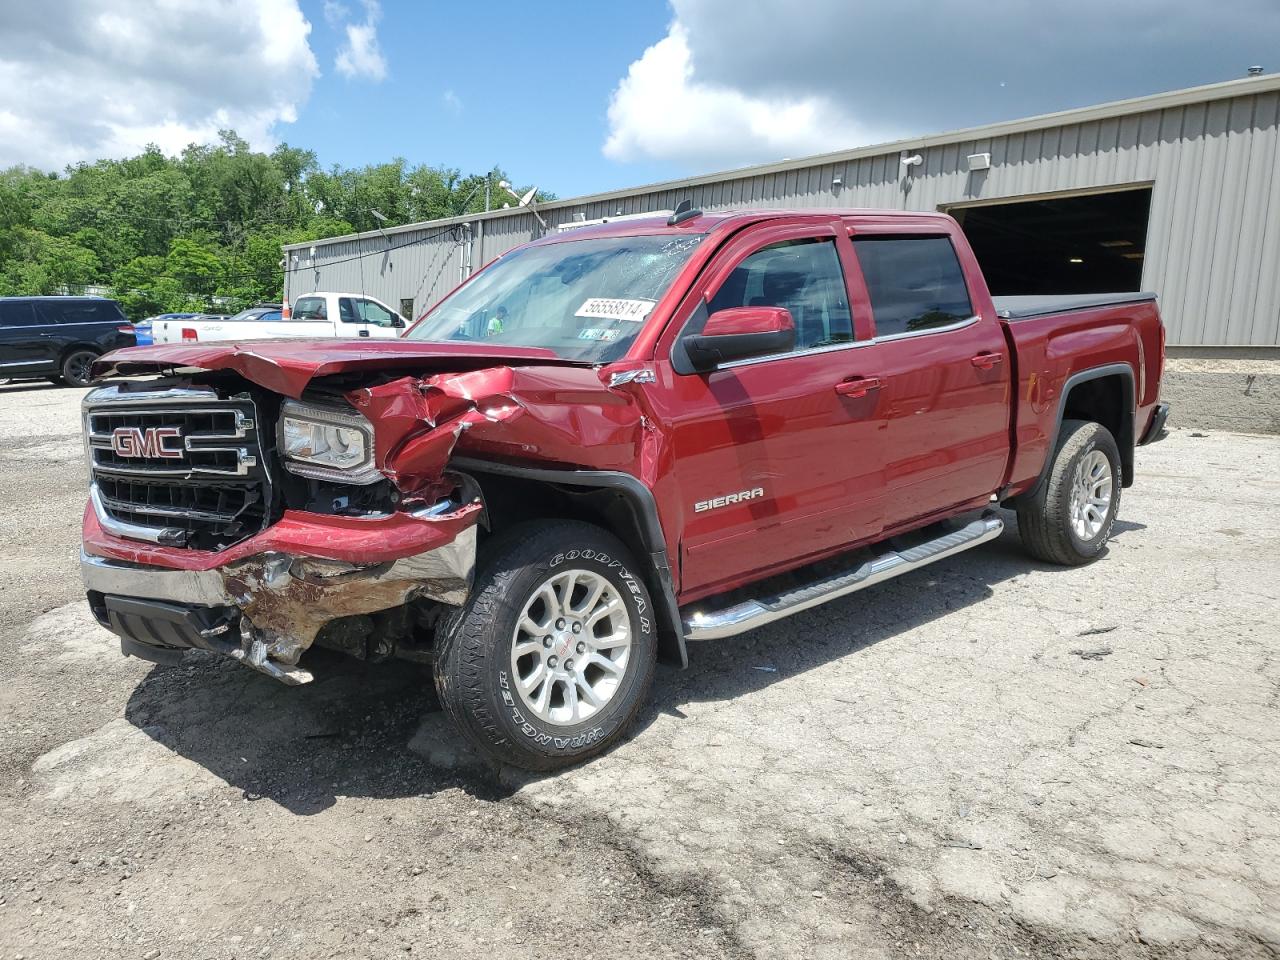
x: 397, y: 321
x: 739, y: 333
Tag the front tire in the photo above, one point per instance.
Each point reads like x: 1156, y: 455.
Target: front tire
x: 76, y: 368
x: 553, y: 654
x: 1069, y: 519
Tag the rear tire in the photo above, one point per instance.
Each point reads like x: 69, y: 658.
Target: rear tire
x: 76, y: 368
x: 553, y: 654
x: 1069, y: 519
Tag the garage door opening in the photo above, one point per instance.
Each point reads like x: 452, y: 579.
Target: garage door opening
x: 1078, y: 244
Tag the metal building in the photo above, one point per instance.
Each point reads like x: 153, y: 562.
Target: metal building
x: 1177, y: 192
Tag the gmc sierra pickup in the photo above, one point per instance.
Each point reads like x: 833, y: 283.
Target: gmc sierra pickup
x: 606, y: 443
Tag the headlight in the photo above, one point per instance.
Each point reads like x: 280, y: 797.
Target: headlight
x: 326, y: 444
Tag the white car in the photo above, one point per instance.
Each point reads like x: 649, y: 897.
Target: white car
x: 317, y: 315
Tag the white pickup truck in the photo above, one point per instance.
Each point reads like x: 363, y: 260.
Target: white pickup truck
x: 314, y: 315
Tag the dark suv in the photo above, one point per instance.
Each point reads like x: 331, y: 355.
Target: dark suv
x: 59, y: 337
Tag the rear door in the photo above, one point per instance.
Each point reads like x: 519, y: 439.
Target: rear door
x: 23, y: 346
x: 944, y: 376
x: 773, y: 462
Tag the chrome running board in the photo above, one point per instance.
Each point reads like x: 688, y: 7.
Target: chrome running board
x: 757, y: 612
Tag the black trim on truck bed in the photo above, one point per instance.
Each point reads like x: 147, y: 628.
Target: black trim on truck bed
x: 1023, y: 308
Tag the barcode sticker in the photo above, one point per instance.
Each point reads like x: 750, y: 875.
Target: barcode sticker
x: 608, y: 308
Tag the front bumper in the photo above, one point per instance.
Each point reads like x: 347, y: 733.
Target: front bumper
x: 264, y: 600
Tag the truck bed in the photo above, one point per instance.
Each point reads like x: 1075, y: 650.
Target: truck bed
x: 1022, y: 308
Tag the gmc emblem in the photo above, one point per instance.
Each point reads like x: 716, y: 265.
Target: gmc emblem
x: 151, y: 442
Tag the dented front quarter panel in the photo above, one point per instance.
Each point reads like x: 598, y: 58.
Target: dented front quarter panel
x: 562, y: 415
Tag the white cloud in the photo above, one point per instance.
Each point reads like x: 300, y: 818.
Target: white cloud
x: 451, y: 101
x: 360, y: 56
x: 84, y: 79
x: 735, y: 82
x: 663, y: 109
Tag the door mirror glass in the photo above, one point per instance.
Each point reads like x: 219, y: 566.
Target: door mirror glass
x: 740, y: 333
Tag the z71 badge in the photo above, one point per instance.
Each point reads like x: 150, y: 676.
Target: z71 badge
x: 702, y: 506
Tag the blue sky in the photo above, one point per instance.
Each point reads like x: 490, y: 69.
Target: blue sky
x: 581, y: 96
x: 530, y: 92
x: 709, y: 84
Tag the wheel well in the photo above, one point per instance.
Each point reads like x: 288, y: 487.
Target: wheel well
x: 514, y: 499
x: 76, y: 348
x: 1107, y: 400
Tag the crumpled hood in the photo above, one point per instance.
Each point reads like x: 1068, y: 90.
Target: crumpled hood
x: 288, y: 366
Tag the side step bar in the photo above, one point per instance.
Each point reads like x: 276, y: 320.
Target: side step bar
x: 756, y: 613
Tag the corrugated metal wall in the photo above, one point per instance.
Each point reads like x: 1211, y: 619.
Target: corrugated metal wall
x: 1213, y: 243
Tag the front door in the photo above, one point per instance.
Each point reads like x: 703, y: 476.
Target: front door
x: 775, y: 460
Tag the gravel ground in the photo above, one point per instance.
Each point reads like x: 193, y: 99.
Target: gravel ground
x: 989, y: 758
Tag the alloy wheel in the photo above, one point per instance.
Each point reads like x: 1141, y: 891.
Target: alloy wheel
x: 571, y: 647
x: 1091, y: 495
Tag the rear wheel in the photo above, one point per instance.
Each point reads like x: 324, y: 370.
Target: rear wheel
x: 76, y: 366
x: 553, y: 654
x: 1069, y: 520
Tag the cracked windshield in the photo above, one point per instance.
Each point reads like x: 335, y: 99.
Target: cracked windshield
x: 584, y: 299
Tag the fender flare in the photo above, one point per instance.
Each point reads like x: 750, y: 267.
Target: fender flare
x: 671, y: 637
x: 1125, y: 442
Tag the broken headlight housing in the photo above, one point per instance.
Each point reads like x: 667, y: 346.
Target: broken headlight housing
x: 326, y: 443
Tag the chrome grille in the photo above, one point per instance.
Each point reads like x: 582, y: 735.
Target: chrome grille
x: 177, y: 466
x: 213, y: 441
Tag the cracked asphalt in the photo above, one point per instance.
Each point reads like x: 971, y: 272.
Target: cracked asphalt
x: 988, y: 758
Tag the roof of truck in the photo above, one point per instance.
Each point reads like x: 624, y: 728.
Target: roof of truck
x: 728, y: 219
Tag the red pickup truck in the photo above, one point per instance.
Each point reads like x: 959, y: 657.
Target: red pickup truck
x: 606, y: 443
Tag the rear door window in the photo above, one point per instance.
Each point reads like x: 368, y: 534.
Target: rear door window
x: 310, y: 308
x: 16, y: 313
x: 347, y: 310
x: 915, y: 283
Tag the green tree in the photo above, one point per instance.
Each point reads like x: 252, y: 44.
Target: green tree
x: 206, y: 226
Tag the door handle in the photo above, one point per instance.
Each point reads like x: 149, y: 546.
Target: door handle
x: 856, y: 387
x: 364, y: 333
x: 985, y: 361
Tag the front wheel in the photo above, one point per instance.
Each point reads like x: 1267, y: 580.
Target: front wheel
x: 76, y: 367
x: 553, y: 654
x: 1069, y: 519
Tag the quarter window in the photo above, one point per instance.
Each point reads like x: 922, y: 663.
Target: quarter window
x: 802, y: 275
x: 915, y: 283
x: 78, y: 311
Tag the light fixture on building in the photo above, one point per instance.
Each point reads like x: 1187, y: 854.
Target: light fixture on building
x: 978, y: 161
x: 1254, y: 71
x: 1076, y: 260
x: 912, y: 161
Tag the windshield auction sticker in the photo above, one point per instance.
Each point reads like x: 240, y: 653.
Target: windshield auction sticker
x: 607, y: 308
